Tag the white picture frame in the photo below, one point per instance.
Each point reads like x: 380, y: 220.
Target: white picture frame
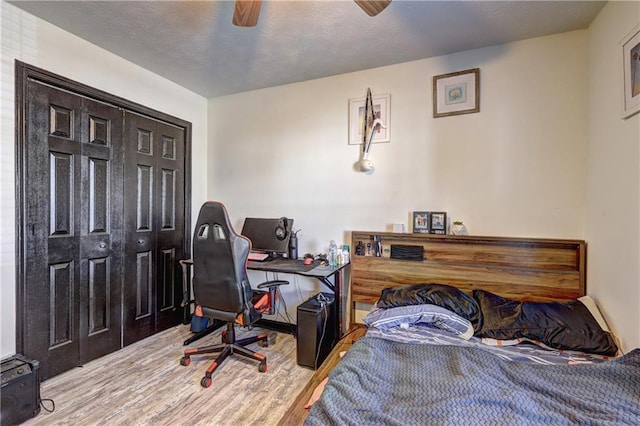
x: 631, y: 73
x: 381, y: 108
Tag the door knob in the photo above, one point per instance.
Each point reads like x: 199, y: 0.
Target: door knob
x: 141, y: 241
x: 103, y: 245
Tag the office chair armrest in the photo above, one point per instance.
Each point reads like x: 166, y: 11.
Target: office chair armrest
x: 273, y: 287
x: 273, y: 283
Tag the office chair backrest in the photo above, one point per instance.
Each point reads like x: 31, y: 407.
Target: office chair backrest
x: 220, y: 283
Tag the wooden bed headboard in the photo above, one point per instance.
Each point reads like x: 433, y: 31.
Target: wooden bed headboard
x: 527, y: 269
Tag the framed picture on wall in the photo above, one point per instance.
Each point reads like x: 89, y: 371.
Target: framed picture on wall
x: 381, y: 110
x: 438, y: 223
x: 456, y: 93
x: 421, y: 222
x: 631, y: 72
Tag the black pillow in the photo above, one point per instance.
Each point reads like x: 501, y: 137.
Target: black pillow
x: 442, y: 295
x: 567, y: 325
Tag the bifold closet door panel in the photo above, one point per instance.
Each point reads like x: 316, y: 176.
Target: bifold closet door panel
x: 154, y: 226
x: 170, y: 235
x: 71, y: 228
x: 102, y: 231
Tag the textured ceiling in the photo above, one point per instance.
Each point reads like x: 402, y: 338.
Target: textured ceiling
x: 195, y: 44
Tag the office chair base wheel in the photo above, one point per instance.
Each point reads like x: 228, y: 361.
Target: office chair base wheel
x: 262, y: 367
x: 264, y: 343
x: 185, y: 360
x: 205, y: 382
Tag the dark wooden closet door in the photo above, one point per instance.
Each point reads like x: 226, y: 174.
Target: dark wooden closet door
x: 154, y: 225
x: 73, y: 229
x: 87, y: 197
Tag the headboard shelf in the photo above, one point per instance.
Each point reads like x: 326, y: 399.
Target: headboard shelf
x: 534, y: 269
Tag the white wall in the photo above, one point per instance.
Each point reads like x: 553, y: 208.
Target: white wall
x: 31, y: 40
x: 612, y: 225
x: 517, y: 168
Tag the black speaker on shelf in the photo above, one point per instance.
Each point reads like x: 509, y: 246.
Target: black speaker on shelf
x: 20, y: 392
x: 405, y: 252
x: 317, y: 325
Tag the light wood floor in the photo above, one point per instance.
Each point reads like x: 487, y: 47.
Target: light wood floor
x: 144, y: 384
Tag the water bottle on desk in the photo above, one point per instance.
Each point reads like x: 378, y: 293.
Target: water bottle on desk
x: 345, y: 254
x: 293, y: 245
x: 333, y: 254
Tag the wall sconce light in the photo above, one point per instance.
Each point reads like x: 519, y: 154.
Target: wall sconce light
x: 371, y: 124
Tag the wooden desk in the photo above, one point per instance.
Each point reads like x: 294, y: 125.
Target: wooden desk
x: 296, y: 413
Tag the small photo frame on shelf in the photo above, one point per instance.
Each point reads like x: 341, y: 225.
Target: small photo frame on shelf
x: 421, y: 222
x: 631, y: 73
x: 438, y: 223
x: 381, y: 110
x: 456, y: 93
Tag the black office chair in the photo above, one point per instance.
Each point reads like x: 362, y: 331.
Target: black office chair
x: 221, y: 287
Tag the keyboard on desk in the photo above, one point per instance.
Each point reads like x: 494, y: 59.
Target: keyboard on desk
x: 257, y: 256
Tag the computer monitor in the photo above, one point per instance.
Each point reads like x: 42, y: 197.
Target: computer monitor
x: 268, y: 235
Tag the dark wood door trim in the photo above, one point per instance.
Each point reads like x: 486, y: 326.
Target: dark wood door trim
x: 25, y: 72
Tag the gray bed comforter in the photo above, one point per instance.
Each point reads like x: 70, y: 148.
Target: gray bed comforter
x: 390, y: 383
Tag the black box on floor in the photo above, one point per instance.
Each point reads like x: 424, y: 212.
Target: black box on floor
x: 317, y: 326
x: 20, y: 392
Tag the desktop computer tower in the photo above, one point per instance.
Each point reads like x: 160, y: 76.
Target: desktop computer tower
x: 317, y: 325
